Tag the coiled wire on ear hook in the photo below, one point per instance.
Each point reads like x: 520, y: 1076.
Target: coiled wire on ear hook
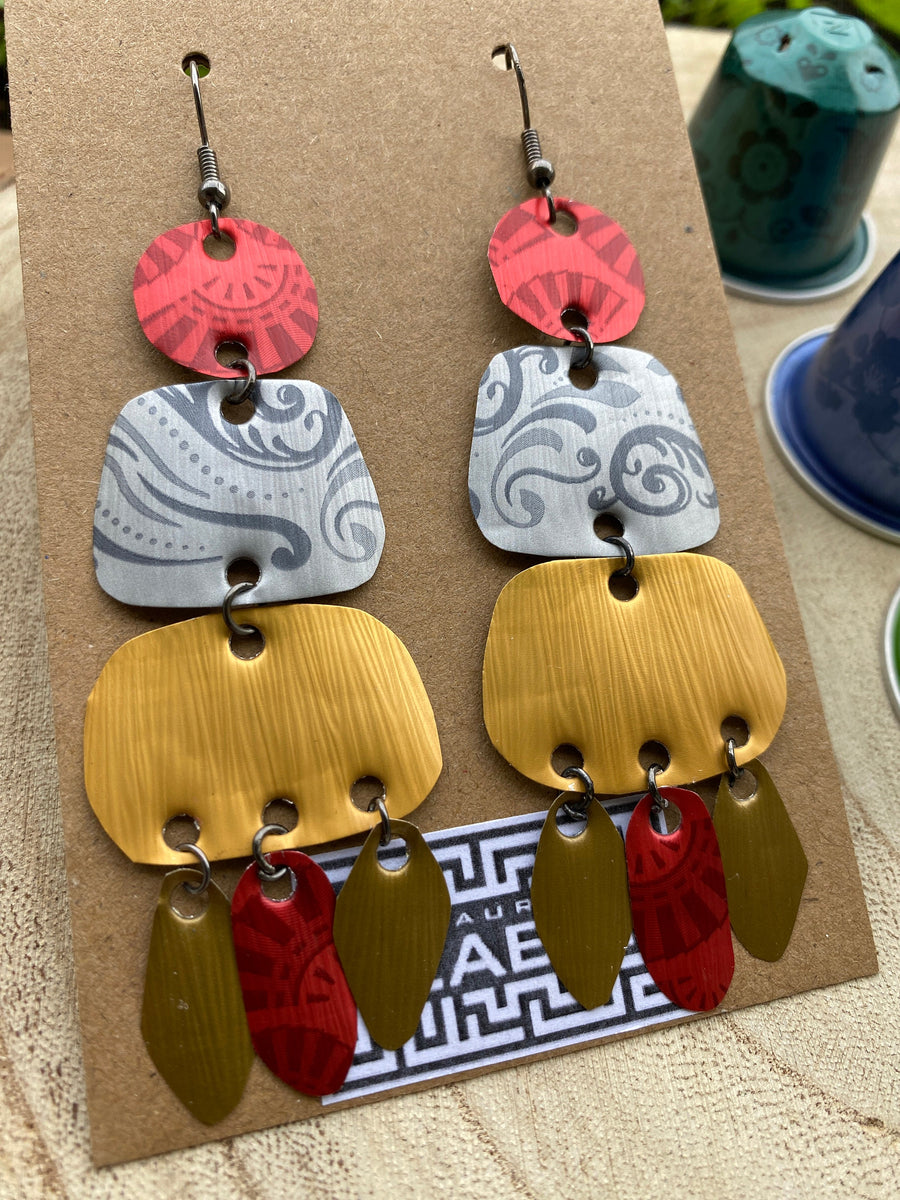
x: 539, y: 170
x: 213, y: 193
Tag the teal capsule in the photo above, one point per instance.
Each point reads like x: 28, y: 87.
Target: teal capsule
x: 788, y: 139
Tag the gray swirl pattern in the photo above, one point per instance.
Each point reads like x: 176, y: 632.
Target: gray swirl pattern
x: 548, y: 457
x: 183, y: 493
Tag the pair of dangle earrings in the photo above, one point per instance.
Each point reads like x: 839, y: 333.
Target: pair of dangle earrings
x: 237, y: 493
x: 623, y: 650
x: 613, y: 645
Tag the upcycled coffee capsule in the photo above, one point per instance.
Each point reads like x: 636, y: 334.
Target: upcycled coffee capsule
x: 184, y: 493
x: 299, y: 1008
x: 192, y: 1017
x: 569, y: 663
x: 787, y: 140
x: 579, y: 896
x: 549, y: 458
x: 188, y: 739
x: 678, y: 900
x: 390, y: 925
x: 833, y: 405
x: 765, y: 867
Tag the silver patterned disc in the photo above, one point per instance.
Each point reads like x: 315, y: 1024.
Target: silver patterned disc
x: 548, y: 457
x: 184, y: 493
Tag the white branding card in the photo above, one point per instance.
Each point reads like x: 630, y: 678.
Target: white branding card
x: 496, y: 997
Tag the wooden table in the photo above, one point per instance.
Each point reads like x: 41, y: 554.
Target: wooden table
x: 795, y: 1098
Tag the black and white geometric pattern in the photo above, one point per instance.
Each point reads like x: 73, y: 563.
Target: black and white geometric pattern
x: 495, y: 998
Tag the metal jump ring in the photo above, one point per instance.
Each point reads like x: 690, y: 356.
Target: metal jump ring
x: 626, y: 548
x: 231, y: 595
x: 659, y: 800
x: 379, y: 803
x: 577, y: 810
x: 205, y: 870
x: 262, y: 863
x: 583, y: 336
x: 243, y: 364
x: 734, y: 771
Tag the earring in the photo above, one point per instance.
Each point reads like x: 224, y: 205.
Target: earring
x: 215, y: 717
x: 607, y: 658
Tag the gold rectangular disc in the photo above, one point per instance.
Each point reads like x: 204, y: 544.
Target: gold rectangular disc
x: 177, y: 723
x: 567, y: 663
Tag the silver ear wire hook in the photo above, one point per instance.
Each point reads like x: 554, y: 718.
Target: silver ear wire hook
x: 539, y: 170
x: 213, y: 194
x: 513, y: 64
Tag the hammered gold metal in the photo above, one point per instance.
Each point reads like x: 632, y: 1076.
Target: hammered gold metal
x: 389, y: 929
x: 568, y: 663
x: 193, y: 1018
x: 579, y: 897
x: 177, y: 724
x: 765, y: 866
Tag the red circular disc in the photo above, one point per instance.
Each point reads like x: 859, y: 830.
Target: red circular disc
x: 262, y: 297
x: 540, y: 271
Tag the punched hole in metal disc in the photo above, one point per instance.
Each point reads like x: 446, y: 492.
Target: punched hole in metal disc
x: 279, y: 889
x: 666, y: 821
x: 565, y: 225
x: 281, y: 811
x: 570, y: 825
x: 248, y: 646
x: 737, y: 728
x: 607, y: 526
x: 393, y: 857
x: 565, y: 756
x: 180, y: 828
x: 745, y: 786
x: 220, y: 248
x: 242, y: 570
x: 365, y: 791
x: 654, y: 754
x: 188, y: 904
x: 623, y: 587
